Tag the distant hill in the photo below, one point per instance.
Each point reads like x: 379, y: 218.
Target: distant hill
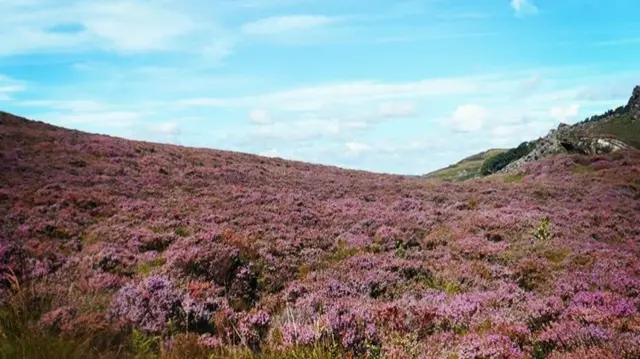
x: 600, y: 134
x: 467, y: 168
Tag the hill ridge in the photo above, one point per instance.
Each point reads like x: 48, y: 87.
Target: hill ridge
x: 609, y: 132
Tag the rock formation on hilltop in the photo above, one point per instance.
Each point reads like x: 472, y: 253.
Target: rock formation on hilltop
x: 634, y: 104
x: 600, y: 134
x: 565, y: 140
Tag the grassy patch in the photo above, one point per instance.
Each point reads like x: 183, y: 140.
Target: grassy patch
x: 89, y: 238
x: 467, y: 168
x: 518, y: 177
x: 555, y: 255
x: 582, y: 169
x: 157, y: 229
x: 145, y: 269
x: 182, y: 231
x: 342, y: 252
x: 623, y: 128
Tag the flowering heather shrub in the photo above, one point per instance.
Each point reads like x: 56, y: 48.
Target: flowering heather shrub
x: 205, y: 260
x: 253, y: 328
x: 149, y: 305
x: 569, y: 335
x: 238, y: 250
x: 489, y: 347
x: 112, y: 260
x: 354, y: 326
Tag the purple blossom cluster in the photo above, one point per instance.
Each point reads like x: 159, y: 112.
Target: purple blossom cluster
x: 149, y: 305
x: 245, y: 250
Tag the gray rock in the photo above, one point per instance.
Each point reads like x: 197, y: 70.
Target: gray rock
x: 567, y: 139
x: 634, y: 104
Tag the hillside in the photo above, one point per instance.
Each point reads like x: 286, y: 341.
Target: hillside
x: 466, y: 169
x: 605, y: 133
x: 111, y: 248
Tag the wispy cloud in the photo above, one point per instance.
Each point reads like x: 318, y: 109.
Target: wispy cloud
x: 125, y: 26
x: 397, y: 110
x: 283, y: 24
x: 10, y: 86
x: 355, y: 92
x: 524, y: 7
x: 260, y: 117
x: 65, y: 105
x: 563, y: 113
x: 434, y: 37
x: 619, y: 42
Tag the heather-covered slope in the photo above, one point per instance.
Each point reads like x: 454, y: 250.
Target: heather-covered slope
x: 240, y: 250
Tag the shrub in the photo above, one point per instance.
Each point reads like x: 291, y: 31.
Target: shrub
x: 530, y: 274
x: 148, y: 305
x: 543, y: 232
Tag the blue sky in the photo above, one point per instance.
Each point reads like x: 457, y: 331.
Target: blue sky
x: 387, y: 86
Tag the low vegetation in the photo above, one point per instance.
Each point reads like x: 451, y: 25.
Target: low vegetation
x: 467, y: 168
x: 120, y: 249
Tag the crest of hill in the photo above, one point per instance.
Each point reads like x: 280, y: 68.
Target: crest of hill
x: 60, y: 149
x: 466, y: 168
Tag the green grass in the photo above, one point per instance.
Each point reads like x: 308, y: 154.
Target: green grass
x: 518, y: 177
x: 623, y: 128
x: 467, y: 168
x: 145, y: 268
x: 582, y: 169
x: 182, y: 231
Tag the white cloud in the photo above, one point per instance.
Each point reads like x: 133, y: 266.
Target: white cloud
x: 10, y: 86
x: 167, y: 128
x: 397, y: 109
x: 66, y: 105
x: 170, y: 131
x: 356, y: 148
x: 135, y: 26
x: 524, y: 7
x: 513, y: 134
x: 261, y: 117
x: 124, y: 26
x: 563, y: 113
x: 312, y: 98
x: 283, y: 24
x: 529, y: 85
x: 302, y: 130
x: 469, y: 118
x: 270, y: 153
x: 106, y: 119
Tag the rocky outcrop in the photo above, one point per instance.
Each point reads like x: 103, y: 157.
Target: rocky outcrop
x: 634, y: 104
x: 565, y: 140
x: 595, y: 146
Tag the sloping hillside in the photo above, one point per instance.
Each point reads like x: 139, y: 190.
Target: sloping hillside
x: 466, y: 169
x: 115, y: 248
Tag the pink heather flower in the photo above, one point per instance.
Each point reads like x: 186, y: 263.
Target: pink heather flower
x: 490, y: 346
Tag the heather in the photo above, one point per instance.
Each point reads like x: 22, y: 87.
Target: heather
x: 116, y: 248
